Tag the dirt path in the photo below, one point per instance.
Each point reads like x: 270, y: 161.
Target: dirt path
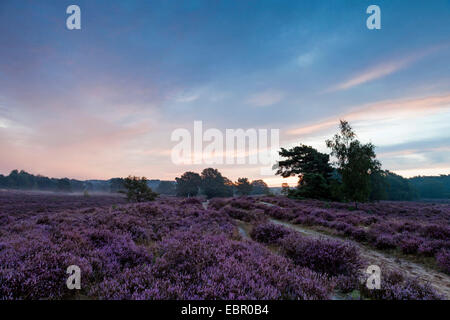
x: 440, y: 281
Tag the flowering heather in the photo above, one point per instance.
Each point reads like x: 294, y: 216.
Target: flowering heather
x: 269, y: 233
x: 168, y: 249
x: 255, y: 215
x: 443, y: 258
x: 214, y: 267
x: 332, y: 257
x: 412, y: 228
x: 175, y: 249
x: 23, y: 202
x: 394, y: 286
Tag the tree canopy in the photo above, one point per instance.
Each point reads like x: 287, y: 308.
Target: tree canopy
x: 356, y: 162
x: 137, y: 190
x: 243, y: 186
x: 188, y: 184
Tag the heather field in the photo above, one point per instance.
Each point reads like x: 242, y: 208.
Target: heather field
x: 236, y: 248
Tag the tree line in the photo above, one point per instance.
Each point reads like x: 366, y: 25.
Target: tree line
x: 211, y: 183
x: 355, y: 174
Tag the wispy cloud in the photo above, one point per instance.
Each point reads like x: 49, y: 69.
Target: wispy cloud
x: 381, y: 70
x: 306, y: 59
x: 381, y: 110
x: 264, y: 99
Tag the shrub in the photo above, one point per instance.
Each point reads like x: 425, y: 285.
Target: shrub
x: 192, y: 200
x: 244, y: 215
x: 443, y: 259
x: 214, y: 267
x: 268, y: 233
x: 321, y: 255
x: 384, y: 241
x: 138, y: 190
x: 395, y: 286
x: 410, y: 245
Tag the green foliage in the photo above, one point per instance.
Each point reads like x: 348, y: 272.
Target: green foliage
x: 437, y: 187
x: 22, y: 180
x: 137, y: 190
x: 336, y: 190
x: 64, y: 185
x: 378, y: 186
x: 243, y: 186
x: 188, y: 184
x: 302, y: 160
x: 399, y: 188
x: 313, y: 186
x: 116, y: 185
x: 285, y: 189
x: 313, y: 169
x: 214, y: 184
x: 260, y: 187
x: 356, y: 163
x: 167, y: 187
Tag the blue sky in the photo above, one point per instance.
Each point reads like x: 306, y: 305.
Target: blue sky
x: 102, y: 101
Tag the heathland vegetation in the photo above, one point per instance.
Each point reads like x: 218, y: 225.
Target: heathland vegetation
x: 204, y: 236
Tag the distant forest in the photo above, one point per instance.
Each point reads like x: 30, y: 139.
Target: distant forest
x: 421, y: 187
x: 397, y: 187
x: 22, y: 180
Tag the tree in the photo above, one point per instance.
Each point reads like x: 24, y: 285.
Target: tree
x: 214, y: 184
x: 116, y: 185
x: 312, y: 186
x: 304, y: 159
x: 243, y: 186
x: 378, y: 186
x: 285, y: 188
x: 63, y: 185
x: 228, y: 188
x: 313, y: 169
x: 167, y: 187
x: 260, y: 187
x: 137, y: 190
x: 432, y: 187
x: 399, y: 188
x: 356, y: 163
x: 188, y: 184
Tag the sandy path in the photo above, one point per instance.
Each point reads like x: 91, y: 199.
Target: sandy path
x: 439, y: 280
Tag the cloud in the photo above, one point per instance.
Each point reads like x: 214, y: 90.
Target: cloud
x: 381, y: 110
x: 306, y: 59
x: 264, y: 99
x: 381, y: 70
x: 429, y: 171
x: 185, y: 98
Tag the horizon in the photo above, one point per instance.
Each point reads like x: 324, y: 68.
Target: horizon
x: 158, y: 179
x: 103, y: 101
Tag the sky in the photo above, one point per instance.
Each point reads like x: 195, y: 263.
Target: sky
x: 103, y: 101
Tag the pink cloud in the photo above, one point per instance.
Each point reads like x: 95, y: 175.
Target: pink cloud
x: 381, y: 110
x: 381, y: 70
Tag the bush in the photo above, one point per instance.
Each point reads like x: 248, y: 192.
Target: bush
x: 396, y: 287
x: 244, y: 215
x: 327, y: 256
x: 384, y: 241
x: 214, y: 267
x: 443, y: 259
x: 268, y: 233
x: 410, y: 245
x: 138, y: 190
x: 194, y: 201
